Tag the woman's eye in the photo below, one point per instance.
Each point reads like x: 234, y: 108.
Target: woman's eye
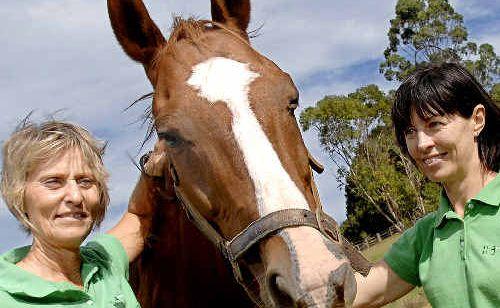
x: 53, y: 183
x: 86, y: 182
x: 435, y: 124
x: 410, y: 131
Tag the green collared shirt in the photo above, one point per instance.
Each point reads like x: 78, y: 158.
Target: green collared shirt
x: 456, y: 260
x: 104, y: 273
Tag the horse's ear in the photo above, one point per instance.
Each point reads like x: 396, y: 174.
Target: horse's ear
x: 138, y: 35
x: 233, y: 13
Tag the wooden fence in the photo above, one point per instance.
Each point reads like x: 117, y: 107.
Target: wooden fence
x: 372, y: 240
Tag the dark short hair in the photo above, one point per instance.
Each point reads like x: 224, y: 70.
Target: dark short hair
x: 448, y: 88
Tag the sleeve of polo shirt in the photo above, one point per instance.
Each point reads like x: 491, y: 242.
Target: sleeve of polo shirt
x: 108, y: 249
x: 403, y: 256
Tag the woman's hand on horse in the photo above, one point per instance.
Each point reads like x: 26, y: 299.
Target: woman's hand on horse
x: 156, y: 161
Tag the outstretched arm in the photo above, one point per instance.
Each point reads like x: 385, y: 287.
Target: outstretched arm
x: 134, y: 226
x: 381, y: 286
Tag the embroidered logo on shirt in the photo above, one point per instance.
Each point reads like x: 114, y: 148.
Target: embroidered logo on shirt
x: 489, y: 250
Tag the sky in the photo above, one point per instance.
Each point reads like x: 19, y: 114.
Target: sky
x: 60, y: 58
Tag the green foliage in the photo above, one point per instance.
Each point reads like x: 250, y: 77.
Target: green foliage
x: 363, y: 219
x: 486, y: 67
x: 430, y: 31
x: 344, y: 121
x: 495, y: 93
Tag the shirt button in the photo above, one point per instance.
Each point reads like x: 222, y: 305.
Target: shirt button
x: 471, y: 206
x: 90, y: 302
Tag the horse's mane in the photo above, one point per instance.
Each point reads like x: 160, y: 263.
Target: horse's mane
x: 187, y: 29
x: 191, y: 30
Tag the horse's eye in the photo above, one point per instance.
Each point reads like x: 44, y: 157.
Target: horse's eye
x: 293, y: 104
x: 172, y: 139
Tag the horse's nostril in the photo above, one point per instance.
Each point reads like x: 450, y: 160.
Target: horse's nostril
x: 278, y: 291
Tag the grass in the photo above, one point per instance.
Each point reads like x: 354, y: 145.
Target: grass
x: 416, y: 298
x: 376, y: 252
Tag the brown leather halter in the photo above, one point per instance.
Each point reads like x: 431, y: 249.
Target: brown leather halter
x: 259, y: 229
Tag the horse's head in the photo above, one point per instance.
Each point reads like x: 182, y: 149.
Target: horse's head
x: 226, y: 115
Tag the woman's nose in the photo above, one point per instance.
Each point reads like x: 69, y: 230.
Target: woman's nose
x: 424, y: 141
x: 73, y: 192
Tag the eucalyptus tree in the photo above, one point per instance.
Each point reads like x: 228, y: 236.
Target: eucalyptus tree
x: 426, y: 31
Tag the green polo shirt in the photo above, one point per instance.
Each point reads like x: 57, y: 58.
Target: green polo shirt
x: 456, y: 260
x: 104, y: 273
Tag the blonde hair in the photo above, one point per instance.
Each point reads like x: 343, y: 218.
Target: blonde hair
x: 31, y: 144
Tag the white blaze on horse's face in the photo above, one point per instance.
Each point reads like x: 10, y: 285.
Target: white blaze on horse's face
x: 226, y: 80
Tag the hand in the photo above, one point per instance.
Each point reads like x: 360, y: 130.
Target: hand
x: 154, y: 162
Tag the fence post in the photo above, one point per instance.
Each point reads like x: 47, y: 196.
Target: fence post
x: 367, y: 244
x: 379, y: 239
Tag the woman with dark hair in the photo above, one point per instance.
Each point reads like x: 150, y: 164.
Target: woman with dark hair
x: 447, y: 124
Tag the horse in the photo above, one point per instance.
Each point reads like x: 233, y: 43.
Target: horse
x: 239, y: 222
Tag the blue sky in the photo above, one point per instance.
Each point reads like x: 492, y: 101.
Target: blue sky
x: 60, y: 55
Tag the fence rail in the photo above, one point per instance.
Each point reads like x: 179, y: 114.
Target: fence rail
x: 372, y: 240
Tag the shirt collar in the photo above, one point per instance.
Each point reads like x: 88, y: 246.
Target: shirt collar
x: 444, y: 210
x: 16, y: 280
x: 490, y: 195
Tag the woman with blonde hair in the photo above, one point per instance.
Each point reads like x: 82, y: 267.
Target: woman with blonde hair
x: 54, y: 183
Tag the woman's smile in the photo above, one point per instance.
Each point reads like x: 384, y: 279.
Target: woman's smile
x: 73, y: 217
x: 433, y: 160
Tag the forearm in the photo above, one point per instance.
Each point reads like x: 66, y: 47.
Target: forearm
x: 379, y: 287
x: 368, y: 292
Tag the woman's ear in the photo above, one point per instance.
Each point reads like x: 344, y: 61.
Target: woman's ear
x: 478, y: 119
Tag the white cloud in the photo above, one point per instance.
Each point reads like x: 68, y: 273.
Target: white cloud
x: 475, y: 9
x: 306, y: 36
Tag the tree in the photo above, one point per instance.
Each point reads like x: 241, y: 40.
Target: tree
x: 363, y: 219
x: 495, y: 93
x: 426, y: 31
x: 355, y: 130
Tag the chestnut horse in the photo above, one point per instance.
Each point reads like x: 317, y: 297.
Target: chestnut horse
x: 237, y: 164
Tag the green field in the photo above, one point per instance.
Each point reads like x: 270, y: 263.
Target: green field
x: 415, y: 298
